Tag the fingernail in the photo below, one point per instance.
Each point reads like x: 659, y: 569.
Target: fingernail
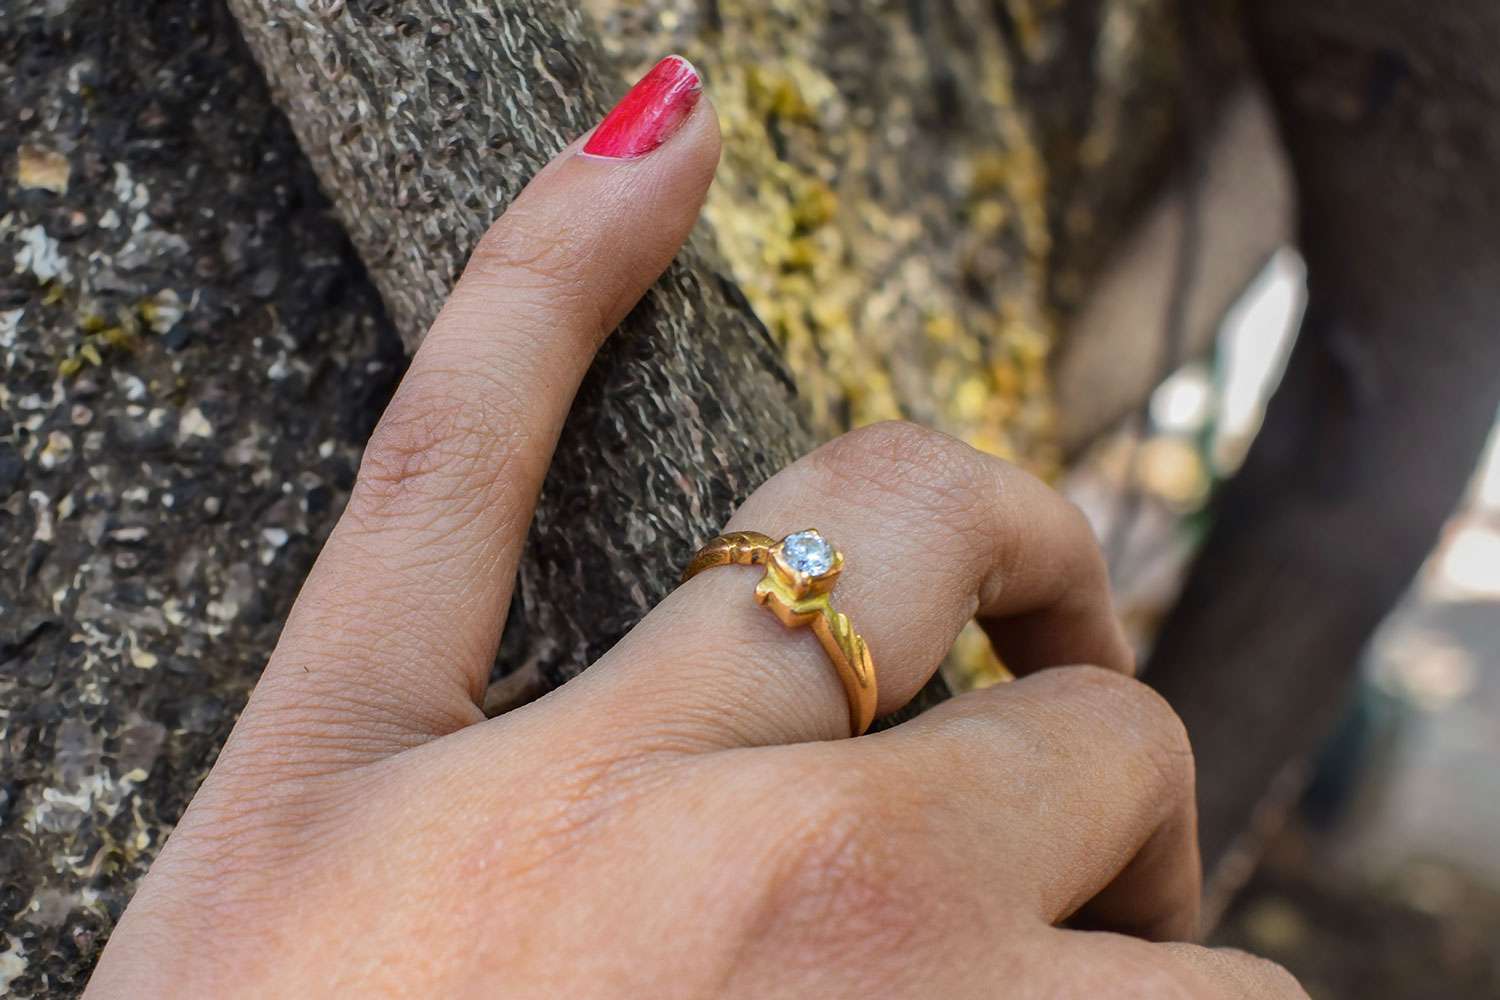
x: 646, y: 117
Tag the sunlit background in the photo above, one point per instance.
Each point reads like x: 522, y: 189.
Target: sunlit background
x: 1388, y: 878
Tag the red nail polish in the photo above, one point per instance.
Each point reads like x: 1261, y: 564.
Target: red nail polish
x: 647, y: 116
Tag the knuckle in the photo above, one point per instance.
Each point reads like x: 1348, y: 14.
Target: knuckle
x: 914, y: 466
x: 440, y: 444
x: 1247, y: 974
x: 1140, y: 969
x: 254, y: 817
x: 1260, y: 973
x: 522, y: 245
x: 538, y: 258
x: 1140, y: 715
x: 548, y: 273
x: 1166, y: 984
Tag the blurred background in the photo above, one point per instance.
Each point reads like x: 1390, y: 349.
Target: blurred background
x: 1384, y: 880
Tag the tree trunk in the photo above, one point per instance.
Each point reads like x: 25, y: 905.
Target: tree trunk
x: 1388, y: 112
x: 884, y: 205
x: 193, y: 355
x: 423, y: 121
x: 192, y: 360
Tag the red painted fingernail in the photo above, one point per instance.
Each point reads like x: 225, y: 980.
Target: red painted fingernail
x: 648, y: 115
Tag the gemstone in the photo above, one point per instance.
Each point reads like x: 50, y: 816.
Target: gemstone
x: 806, y: 552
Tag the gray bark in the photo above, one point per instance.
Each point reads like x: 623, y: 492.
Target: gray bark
x: 424, y: 121
x: 165, y: 481
x: 161, y: 504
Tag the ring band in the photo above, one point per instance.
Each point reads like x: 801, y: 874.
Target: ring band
x: 801, y: 570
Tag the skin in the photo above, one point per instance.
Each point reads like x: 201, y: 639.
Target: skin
x: 689, y: 818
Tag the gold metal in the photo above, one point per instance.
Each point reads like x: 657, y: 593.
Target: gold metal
x: 799, y: 599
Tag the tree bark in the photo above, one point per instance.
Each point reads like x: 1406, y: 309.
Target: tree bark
x: 885, y: 205
x: 191, y: 359
x: 423, y: 121
x: 1388, y: 110
x: 193, y: 355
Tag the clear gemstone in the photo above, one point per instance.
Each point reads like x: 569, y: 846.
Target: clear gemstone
x: 806, y: 552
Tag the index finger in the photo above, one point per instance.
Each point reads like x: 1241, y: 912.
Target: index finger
x: 395, y: 631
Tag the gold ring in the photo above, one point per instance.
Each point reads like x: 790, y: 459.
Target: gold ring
x: 801, y: 570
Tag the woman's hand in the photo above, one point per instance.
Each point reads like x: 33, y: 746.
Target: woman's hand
x: 686, y: 819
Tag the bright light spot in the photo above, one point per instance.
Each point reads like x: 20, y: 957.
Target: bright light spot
x: 1426, y: 669
x: 1469, y: 566
x: 1170, y: 468
x: 1487, y: 494
x: 1181, y: 404
x: 1256, y: 337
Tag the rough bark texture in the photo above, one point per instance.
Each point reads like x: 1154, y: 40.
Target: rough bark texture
x: 163, y: 240
x: 1391, y: 115
x: 425, y: 120
x: 908, y: 188
x: 884, y: 205
x: 193, y: 355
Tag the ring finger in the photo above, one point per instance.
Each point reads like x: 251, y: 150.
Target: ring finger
x: 933, y: 533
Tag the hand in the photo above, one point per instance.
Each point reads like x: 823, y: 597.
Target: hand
x: 687, y: 819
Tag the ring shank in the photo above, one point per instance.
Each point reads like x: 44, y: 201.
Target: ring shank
x: 736, y: 548
x: 846, y: 650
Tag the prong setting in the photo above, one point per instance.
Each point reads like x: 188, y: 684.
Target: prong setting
x: 806, y: 564
x: 801, y: 570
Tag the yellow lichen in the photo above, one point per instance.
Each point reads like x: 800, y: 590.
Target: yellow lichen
x: 890, y: 295
x: 102, y: 336
x: 42, y: 169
